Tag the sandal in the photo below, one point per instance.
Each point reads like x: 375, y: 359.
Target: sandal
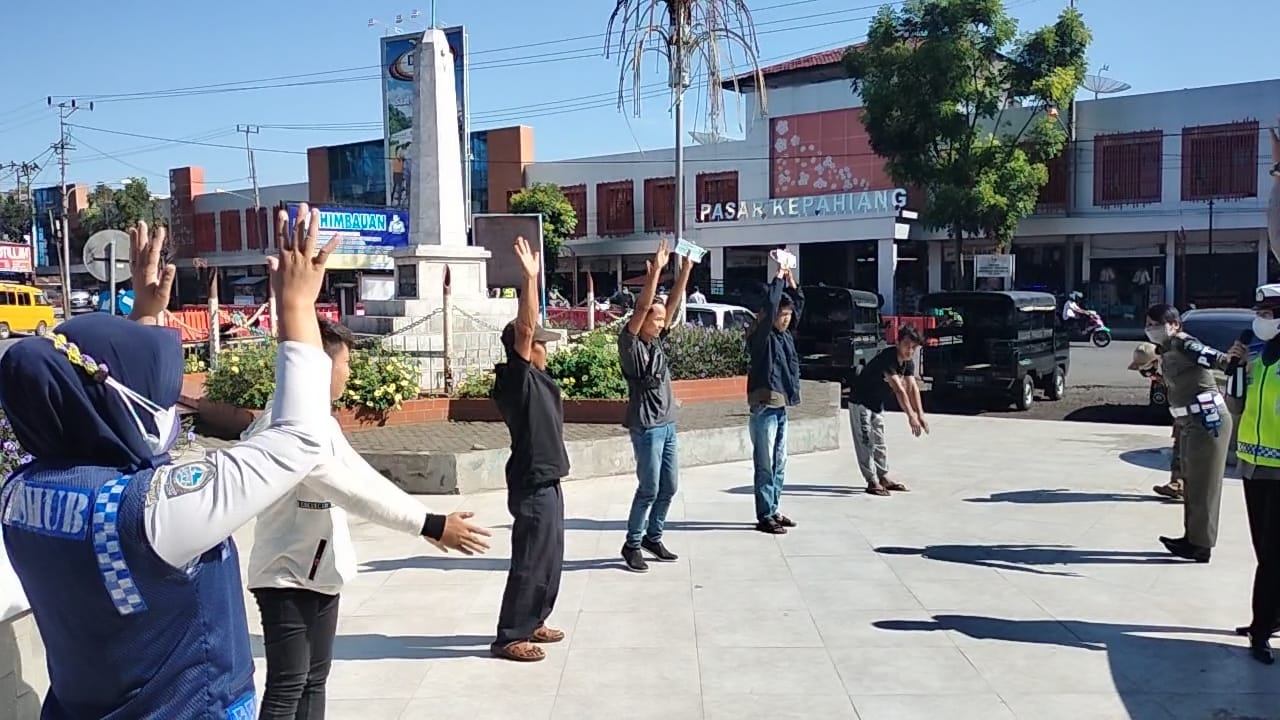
x: 877, y: 490
x: 888, y: 484
x: 544, y: 634
x: 519, y: 651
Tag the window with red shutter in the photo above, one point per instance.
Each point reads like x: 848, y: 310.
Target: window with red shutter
x: 1053, y: 194
x: 1127, y: 168
x: 660, y: 205
x: 1220, y: 162
x: 717, y: 188
x: 616, y: 208
x: 577, y: 197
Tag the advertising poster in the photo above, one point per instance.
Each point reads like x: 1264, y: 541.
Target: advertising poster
x: 15, y: 258
x: 397, y: 100
x: 367, y: 236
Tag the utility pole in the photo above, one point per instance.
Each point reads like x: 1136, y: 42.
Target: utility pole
x: 66, y: 109
x: 26, y: 170
x: 253, y: 171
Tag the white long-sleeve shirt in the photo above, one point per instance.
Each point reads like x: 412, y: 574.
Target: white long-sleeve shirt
x: 303, y: 542
x: 194, y: 506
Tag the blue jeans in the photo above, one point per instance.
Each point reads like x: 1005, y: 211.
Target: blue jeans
x: 657, y: 471
x: 768, y: 428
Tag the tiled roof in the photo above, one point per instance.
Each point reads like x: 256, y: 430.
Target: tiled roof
x: 825, y: 58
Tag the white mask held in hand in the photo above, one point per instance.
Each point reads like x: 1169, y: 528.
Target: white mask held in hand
x: 1159, y: 334
x: 1265, y: 328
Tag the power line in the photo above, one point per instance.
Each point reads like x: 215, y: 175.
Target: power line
x: 604, y: 160
x: 514, y: 61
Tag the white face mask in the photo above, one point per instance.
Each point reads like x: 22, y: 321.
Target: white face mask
x: 1265, y: 328
x: 1159, y: 334
x: 166, y: 420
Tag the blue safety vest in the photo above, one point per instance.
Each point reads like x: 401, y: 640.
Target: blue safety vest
x: 126, y: 635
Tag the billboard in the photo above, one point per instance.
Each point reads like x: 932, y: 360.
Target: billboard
x: 48, y: 205
x: 398, y: 110
x: 496, y: 233
x: 367, y: 235
x: 15, y: 258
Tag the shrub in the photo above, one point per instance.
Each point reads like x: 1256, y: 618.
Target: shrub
x: 244, y: 376
x: 381, y: 379
x: 589, y: 369
x: 476, y: 385
x: 696, y: 353
x: 193, y: 361
x: 12, y: 456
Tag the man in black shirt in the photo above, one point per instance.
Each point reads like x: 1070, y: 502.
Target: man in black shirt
x: 530, y: 404
x: 890, y: 373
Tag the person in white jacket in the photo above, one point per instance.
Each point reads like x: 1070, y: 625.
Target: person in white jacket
x: 302, y: 554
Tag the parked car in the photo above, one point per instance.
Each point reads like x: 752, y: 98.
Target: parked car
x: 1002, y: 345
x: 839, y: 332
x: 81, y: 301
x: 718, y: 315
x: 1218, y: 328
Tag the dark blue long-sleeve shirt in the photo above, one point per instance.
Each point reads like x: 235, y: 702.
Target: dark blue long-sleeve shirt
x: 774, y: 376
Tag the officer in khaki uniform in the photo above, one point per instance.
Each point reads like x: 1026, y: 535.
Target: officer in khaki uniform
x: 1146, y: 361
x: 1187, y: 366
x: 1258, y: 450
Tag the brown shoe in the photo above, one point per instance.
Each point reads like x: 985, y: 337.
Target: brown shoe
x: 544, y: 635
x: 1173, y: 490
x: 519, y: 651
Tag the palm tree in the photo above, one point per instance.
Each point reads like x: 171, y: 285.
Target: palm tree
x: 703, y: 36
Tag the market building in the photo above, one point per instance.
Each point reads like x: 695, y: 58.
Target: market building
x: 1166, y: 201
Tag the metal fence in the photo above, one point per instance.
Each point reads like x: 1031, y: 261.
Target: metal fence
x: 447, y: 355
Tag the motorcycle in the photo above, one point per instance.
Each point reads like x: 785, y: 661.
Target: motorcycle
x: 1092, y: 329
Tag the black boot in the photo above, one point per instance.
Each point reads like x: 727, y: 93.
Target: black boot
x: 1260, y: 650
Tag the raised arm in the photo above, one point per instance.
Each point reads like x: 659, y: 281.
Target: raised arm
x: 675, y: 300
x: 152, y: 281
x: 527, y: 310
x: 653, y: 272
x: 797, y: 298
x: 194, y: 507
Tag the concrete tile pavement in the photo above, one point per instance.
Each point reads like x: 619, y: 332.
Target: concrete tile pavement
x: 1021, y: 578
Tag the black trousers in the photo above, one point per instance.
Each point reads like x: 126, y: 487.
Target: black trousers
x: 1262, y: 501
x: 537, y: 558
x: 298, y: 628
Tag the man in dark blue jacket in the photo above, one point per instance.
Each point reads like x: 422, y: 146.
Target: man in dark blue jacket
x: 773, y: 384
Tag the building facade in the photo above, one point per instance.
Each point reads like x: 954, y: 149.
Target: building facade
x: 1165, y: 201
x: 223, y: 228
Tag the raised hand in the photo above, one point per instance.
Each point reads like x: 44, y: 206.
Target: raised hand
x: 297, y: 272
x: 662, y: 256
x: 152, y: 282
x: 463, y: 536
x: 530, y: 263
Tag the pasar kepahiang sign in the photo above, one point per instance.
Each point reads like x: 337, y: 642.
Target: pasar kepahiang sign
x: 868, y: 203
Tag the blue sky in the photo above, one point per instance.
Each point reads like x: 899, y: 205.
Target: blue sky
x: 539, y: 64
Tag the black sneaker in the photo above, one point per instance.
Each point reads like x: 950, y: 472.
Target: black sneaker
x: 771, y: 526
x: 634, y: 559
x: 658, y: 550
x: 784, y: 521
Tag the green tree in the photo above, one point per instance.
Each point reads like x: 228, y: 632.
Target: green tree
x: 963, y: 108
x: 109, y: 208
x: 558, y: 216
x: 15, y: 217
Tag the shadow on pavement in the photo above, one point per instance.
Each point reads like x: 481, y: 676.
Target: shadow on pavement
x: 804, y: 491
x: 1152, y: 670
x: 454, y: 562
x: 1026, y: 558
x: 621, y: 525
x: 1062, y: 496
x: 1118, y: 415
x: 1149, y: 458
x: 400, y: 647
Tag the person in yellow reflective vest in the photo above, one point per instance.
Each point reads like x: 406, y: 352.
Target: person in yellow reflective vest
x: 1258, y: 448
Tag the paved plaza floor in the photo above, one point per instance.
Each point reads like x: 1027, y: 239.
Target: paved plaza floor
x: 1021, y: 578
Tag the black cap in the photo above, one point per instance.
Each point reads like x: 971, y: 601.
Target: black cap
x: 540, y: 334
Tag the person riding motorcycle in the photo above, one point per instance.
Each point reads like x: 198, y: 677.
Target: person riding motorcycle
x: 1074, y: 314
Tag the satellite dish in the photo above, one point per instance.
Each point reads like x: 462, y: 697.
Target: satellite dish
x: 98, y: 253
x: 1102, y: 85
x: 708, y: 138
